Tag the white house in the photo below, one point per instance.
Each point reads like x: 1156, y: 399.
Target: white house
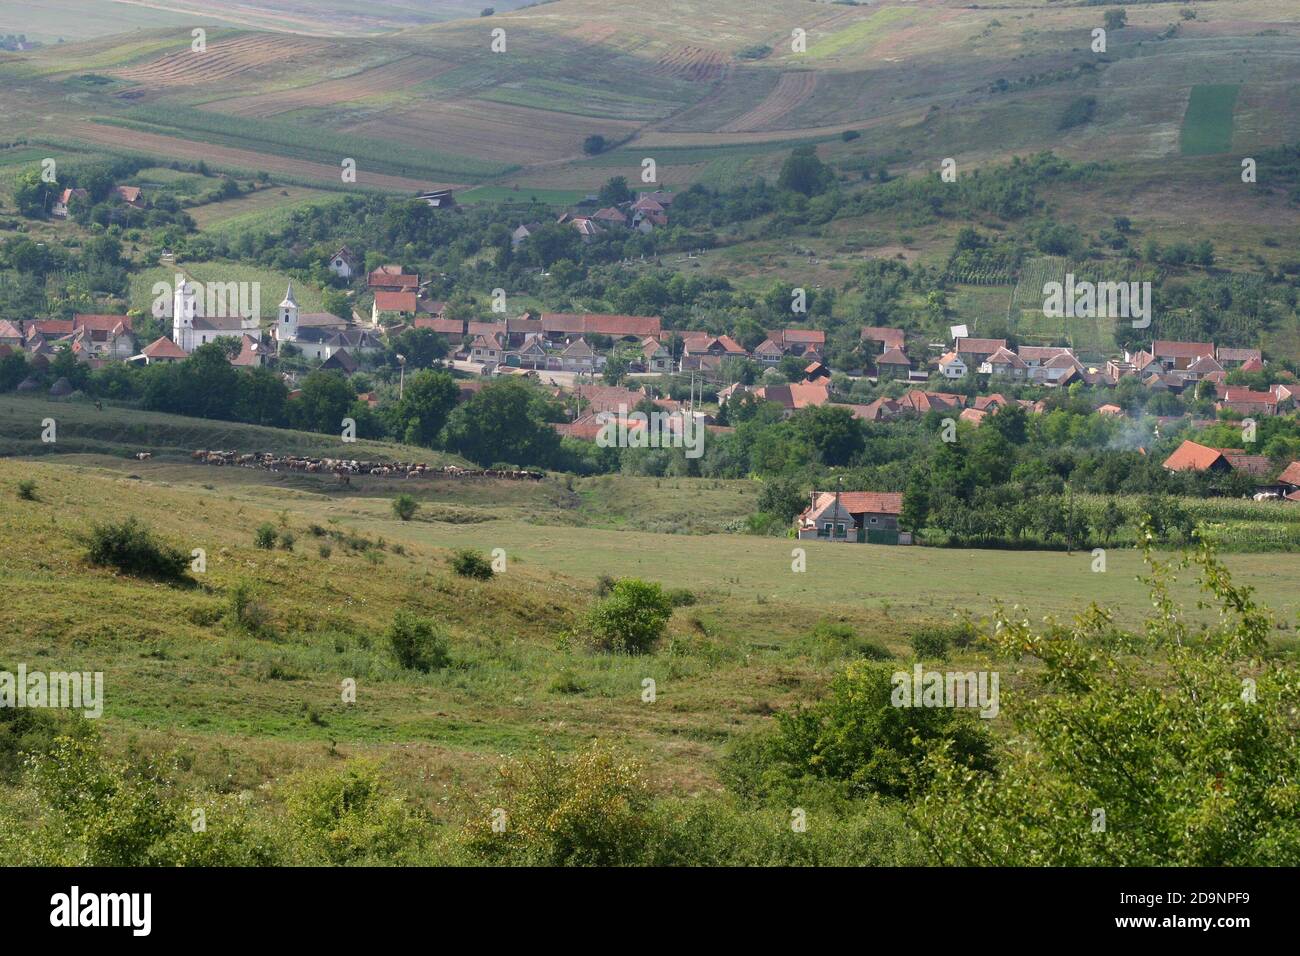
x: 345, y: 264
x: 952, y: 366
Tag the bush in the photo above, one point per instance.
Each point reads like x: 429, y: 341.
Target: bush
x: 129, y: 547
x: 325, y: 550
x: 680, y: 597
x: 405, y: 507
x: 631, y: 619
x: 931, y: 644
x: 286, y: 540
x: 857, y: 737
x: 604, y: 584
x: 347, y: 815
x: 264, y: 536
x: 592, y: 810
x: 245, y: 610
x: 832, y: 640
x: 416, y: 643
x: 27, y: 490
x: 471, y: 564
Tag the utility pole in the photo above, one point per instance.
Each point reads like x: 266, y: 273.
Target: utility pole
x: 401, y: 376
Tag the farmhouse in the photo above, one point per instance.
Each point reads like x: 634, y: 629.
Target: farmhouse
x: 1179, y: 355
x: 894, y: 363
x: 63, y: 203
x: 951, y: 365
x: 1191, y: 456
x: 852, y: 516
x: 160, y: 351
x: 345, y: 263
x: 399, y: 304
x: 1245, y: 401
x: 655, y: 357
x: 392, y: 278
x: 886, y: 338
x: 810, y: 342
x: 975, y: 352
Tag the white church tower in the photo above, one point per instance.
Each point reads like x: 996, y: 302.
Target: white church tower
x: 286, y: 328
x: 185, y: 305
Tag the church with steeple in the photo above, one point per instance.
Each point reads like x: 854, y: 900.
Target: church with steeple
x: 319, y: 335
x: 192, y: 327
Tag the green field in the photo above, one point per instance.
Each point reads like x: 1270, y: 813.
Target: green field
x: 1207, y: 124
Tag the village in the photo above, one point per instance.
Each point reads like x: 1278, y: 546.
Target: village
x: 612, y: 369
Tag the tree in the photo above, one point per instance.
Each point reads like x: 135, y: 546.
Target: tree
x: 422, y: 347
x: 1116, y: 19
x: 504, y: 422
x: 859, y: 736
x: 1151, y: 747
x: 804, y: 173
x: 405, y: 507
x: 325, y: 401
x: 615, y: 191
x: 631, y: 618
x: 1110, y: 521
x: 427, y: 400
x: 782, y: 498
x: 833, y: 431
x: 593, y: 144
x: 417, y: 643
x: 615, y: 370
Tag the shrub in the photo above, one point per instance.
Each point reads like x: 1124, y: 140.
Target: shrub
x: 604, y: 584
x: 264, y: 536
x: 129, y: 547
x: 405, y: 507
x: 347, y: 815
x: 325, y: 550
x: 245, y: 610
x: 471, y: 564
x: 592, y: 810
x: 631, y: 619
x: 416, y: 643
x: 832, y: 640
x: 27, y: 490
x: 931, y: 644
x: 680, y: 597
x: 857, y: 737
x: 286, y: 540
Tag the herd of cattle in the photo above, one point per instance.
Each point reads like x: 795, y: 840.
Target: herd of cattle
x: 344, y: 468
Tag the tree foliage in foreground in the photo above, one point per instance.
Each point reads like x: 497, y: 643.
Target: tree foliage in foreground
x: 1185, y: 740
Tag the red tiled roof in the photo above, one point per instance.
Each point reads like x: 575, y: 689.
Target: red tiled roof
x: 163, y: 348
x: 599, y: 324
x: 101, y: 323
x: 894, y: 356
x: 445, y: 326
x: 395, y: 301
x: 1189, y: 456
x: 1290, y: 474
x: 1189, y: 350
x: 889, y: 338
x: 860, y: 502
x: 980, y: 346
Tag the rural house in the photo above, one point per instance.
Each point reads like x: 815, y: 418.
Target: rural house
x: 869, y: 517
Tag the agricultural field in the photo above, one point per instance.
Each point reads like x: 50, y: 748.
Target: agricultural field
x: 1207, y: 125
x: 264, y: 209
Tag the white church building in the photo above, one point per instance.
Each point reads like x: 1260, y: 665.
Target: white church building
x: 319, y: 335
x: 192, y: 328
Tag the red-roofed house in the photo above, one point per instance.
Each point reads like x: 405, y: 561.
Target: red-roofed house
x: 1191, y: 456
x: 857, y: 516
x: 394, y: 303
x: 161, y: 350
x: 886, y: 338
x: 894, y: 363
x: 1179, y: 355
x: 393, y: 279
